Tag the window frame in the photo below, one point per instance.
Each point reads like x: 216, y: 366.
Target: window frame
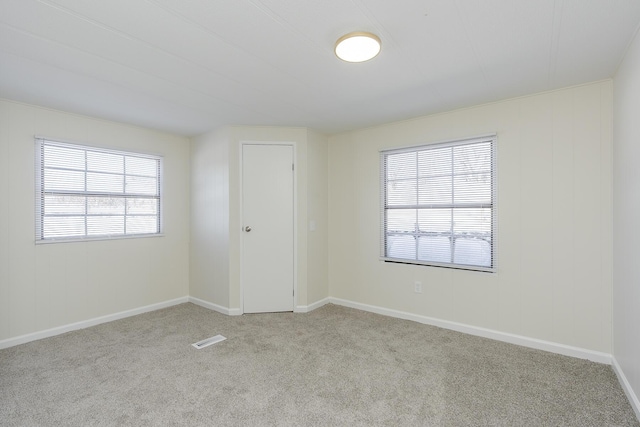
x: 493, y: 140
x: 40, y: 192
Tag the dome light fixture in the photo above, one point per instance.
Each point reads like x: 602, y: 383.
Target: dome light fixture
x: 358, y: 46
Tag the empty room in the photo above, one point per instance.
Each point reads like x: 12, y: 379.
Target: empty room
x: 315, y: 213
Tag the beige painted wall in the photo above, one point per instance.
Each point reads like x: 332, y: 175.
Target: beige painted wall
x: 317, y: 213
x: 50, y: 285
x: 626, y: 289
x: 209, y: 242
x: 218, y: 152
x: 554, y: 220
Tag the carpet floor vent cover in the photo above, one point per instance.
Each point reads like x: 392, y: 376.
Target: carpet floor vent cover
x: 208, y: 342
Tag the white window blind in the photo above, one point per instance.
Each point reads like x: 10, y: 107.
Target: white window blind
x: 438, y: 204
x: 91, y: 193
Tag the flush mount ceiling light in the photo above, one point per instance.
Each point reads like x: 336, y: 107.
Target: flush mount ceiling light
x: 358, y: 46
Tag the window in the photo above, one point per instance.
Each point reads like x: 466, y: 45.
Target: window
x: 93, y: 193
x: 438, y: 204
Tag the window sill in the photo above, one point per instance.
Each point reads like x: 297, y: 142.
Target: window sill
x: 96, y: 239
x: 441, y: 265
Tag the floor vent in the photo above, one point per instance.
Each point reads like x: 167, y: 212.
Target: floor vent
x: 208, y: 342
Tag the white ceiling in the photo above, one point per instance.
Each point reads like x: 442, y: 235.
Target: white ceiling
x: 188, y: 66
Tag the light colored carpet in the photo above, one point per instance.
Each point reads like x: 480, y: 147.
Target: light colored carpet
x: 332, y: 367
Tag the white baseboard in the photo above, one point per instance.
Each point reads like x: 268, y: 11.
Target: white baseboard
x: 467, y: 329
x: 215, y: 307
x: 22, y: 339
x: 311, y: 307
x: 238, y: 312
x: 626, y: 386
x: 552, y: 347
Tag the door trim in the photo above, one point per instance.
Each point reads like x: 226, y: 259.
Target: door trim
x: 292, y: 144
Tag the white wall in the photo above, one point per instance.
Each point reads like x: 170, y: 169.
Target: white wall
x: 554, y: 220
x: 626, y: 228
x: 216, y: 188
x: 51, y: 285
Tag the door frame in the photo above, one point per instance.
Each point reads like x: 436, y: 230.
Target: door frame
x: 291, y: 144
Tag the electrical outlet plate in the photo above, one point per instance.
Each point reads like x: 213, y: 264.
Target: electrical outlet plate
x: 417, y: 287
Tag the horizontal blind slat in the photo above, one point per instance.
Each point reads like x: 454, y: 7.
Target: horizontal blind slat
x: 438, y: 203
x: 87, y: 192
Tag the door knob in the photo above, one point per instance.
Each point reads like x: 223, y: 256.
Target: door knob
x: 247, y: 229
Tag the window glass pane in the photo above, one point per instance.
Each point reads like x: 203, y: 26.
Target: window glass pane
x: 63, y: 180
x: 140, y: 185
x: 436, y: 244
x: 63, y: 226
x: 62, y: 204
x: 473, y: 251
x: 104, y: 182
x: 401, y: 193
x: 62, y: 157
x: 435, y: 220
x: 142, y: 206
x: 105, y: 225
x: 472, y: 188
x: 105, y: 162
x: 141, y: 166
x: 105, y: 205
x: 435, y: 190
x: 403, y: 247
x: 435, y: 162
x: 473, y: 158
x: 401, y: 166
x: 436, y: 248
x: 142, y: 224
x: 472, y: 221
x: 401, y: 220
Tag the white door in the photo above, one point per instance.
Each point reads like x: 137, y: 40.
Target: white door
x: 267, y: 236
